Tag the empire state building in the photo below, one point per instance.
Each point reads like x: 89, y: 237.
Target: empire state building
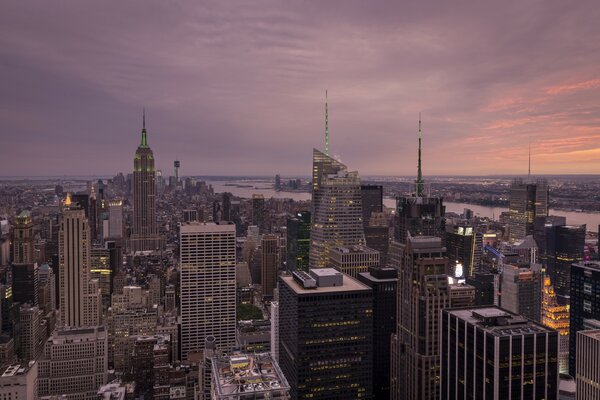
x: 145, y: 230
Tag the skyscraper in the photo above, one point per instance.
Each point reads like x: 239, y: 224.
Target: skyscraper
x: 490, y: 353
x: 527, y: 201
x: 325, y: 335
x: 384, y: 283
x: 269, y: 264
x: 564, y: 247
x: 585, y: 292
x: 353, y: 260
x: 298, y: 241
x: 372, y: 201
x: 337, y: 208
x: 420, y: 214
x: 258, y: 211
x: 207, y: 279
x: 522, y: 291
x: 145, y: 230
x: 422, y: 292
x: 588, y: 371
x: 25, y: 279
x: 464, y: 247
x: 556, y: 316
x: 74, y: 264
x: 115, y: 219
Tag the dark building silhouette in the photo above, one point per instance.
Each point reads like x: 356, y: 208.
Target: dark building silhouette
x: 585, y: 292
x: 258, y: 211
x: 491, y: 353
x: 384, y: 283
x: 464, y: 246
x: 564, y: 247
x: 326, y: 335
x: 298, y: 241
x: 25, y: 279
x: 372, y: 201
x: 485, y: 284
x: 226, y: 206
x: 527, y: 201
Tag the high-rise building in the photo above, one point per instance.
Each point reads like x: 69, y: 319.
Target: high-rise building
x: 461, y: 295
x: 207, y: 279
x: 145, y: 229
x: 464, y: 246
x: 522, y: 291
x: 269, y: 264
x: 74, y: 260
x: 527, y: 201
x: 352, y: 260
x: 588, y: 371
x: 326, y: 335
x: 564, y: 247
x: 19, y: 382
x: 298, y: 241
x: 556, y: 316
x: 29, y: 337
x: 372, y: 201
x: 226, y: 206
x: 422, y: 292
x: 25, y: 280
x: 74, y: 363
x: 337, y: 209
x: 384, y: 283
x: 258, y: 211
x: 420, y: 214
x: 486, y: 284
x: 491, y: 353
x: 115, y: 219
x: 541, y: 226
x: 584, y: 304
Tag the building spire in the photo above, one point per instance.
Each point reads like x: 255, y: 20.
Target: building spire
x: 326, y: 126
x: 529, y: 170
x: 419, y: 181
x: 144, y: 137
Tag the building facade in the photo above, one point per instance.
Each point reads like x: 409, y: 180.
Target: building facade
x: 588, y: 369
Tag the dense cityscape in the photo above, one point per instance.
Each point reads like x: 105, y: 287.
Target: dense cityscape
x: 148, y: 286
x: 266, y: 200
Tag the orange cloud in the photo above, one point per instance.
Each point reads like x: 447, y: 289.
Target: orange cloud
x: 573, y: 87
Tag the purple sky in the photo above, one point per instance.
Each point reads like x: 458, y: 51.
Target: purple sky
x: 233, y: 88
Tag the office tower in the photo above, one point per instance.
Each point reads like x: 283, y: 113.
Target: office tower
x: 207, y: 280
x: 384, y: 283
x: 584, y: 304
x: 464, y: 246
x: 352, y: 260
x: 74, y: 260
x: 337, y: 209
x: 7, y: 309
x: 486, y: 286
x: 298, y: 241
x: 226, y: 200
x: 100, y: 269
x: 564, y: 248
x: 25, y: 278
x: 176, y: 165
x: 522, y: 291
x: 527, y: 201
x: 145, y: 230
x: 420, y: 214
x: 274, y: 311
x: 461, y: 295
x: 422, y: 292
x: 115, y: 219
x: 556, y: 316
x: 74, y: 363
x: 143, y: 365
x: 115, y: 257
x: 491, y: 353
x: 47, y: 289
x: 269, y: 265
x: 190, y: 216
x: 28, y: 334
x: 541, y: 226
x: 372, y: 201
x: 258, y: 211
x: 277, y: 182
x: 588, y: 371
x: 19, y: 381
x: 326, y: 335
x: 23, y: 239
x: 231, y: 374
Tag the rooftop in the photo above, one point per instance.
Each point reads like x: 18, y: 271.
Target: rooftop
x: 594, y: 334
x: 348, y: 283
x: 247, y: 375
x: 498, y: 322
x: 16, y: 370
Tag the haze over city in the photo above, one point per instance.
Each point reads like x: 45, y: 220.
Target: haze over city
x: 239, y: 88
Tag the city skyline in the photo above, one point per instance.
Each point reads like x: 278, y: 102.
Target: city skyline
x: 232, y: 87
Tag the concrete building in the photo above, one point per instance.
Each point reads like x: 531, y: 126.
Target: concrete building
x: 491, y: 353
x: 269, y: 265
x: 353, y: 260
x: 250, y: 376
x: 522, y: 291
x: 74, y: 363
x: 588, y: 366
x: 208, y: 292
x: 19, y: 382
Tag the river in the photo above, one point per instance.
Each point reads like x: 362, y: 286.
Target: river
x: 246, y: 188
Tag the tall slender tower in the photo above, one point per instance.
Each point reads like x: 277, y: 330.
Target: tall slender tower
x: 145, y: 230
x: 24, y: 269
x: 326, y: 127
x: 74, y: 264
x: 420, y: 185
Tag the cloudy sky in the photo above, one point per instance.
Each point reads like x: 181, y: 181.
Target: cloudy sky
x: 238, y: 87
